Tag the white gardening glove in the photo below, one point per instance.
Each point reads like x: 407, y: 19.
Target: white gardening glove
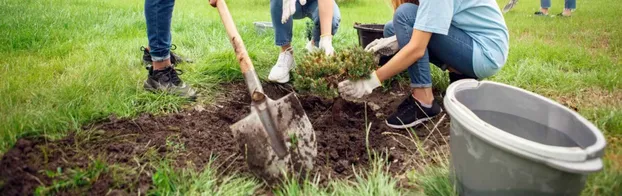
x: 326, y: 44
x: 358, y: 89
x: 310, y: 47
x: 383, y: 46
x: 289, y: 8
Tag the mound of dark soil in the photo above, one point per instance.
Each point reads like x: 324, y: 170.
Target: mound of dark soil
x: 197, y: 135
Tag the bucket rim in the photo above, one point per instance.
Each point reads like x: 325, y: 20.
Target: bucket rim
x: 361, y: 26
x: 263, y: 24
x: 565, y: 158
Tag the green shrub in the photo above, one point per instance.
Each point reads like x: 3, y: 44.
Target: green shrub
x: 319, y: 74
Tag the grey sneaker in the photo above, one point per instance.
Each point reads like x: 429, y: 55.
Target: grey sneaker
x: 167, y: 80
x: 509, y: 6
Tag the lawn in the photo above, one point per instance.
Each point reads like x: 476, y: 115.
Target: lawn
x: 69, y: 64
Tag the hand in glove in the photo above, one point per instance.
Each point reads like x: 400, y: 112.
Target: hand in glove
x: 383, y: 46
x: 326, y: 44
x: 358, y: 89
x: 289, y: 8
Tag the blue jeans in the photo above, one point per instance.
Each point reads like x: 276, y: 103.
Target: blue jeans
x: 158, y: 14
x: 570, y: 4
x: 454, y: 49
x: 283, y: 32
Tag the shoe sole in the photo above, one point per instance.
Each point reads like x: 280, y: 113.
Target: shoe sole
x: 282, y: 80
x: 406, y: 126
x: 148, y: 87
x: 413, y: 124
x: 151, y: 89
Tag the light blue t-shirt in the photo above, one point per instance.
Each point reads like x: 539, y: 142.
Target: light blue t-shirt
x: 480, y: 19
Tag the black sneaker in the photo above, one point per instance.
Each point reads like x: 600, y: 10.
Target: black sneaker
x: 175, y: 59
x: 410, y: 113
x: 146, y: 56
x: 539, y: 13
x: 453, y: 77
x: 167, y: 80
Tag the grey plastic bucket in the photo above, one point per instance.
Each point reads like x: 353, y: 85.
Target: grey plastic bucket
x: 262, y: 27
x: 509, y: 141
x: 369, y: 32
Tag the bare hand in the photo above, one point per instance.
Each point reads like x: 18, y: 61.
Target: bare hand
x: 213, y: 2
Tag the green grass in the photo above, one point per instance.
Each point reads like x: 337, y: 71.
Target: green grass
x: 76, y: 178
x: 375, y: 181
x: 66, y: 64
x: 189, y: 181
x: 434, y: 181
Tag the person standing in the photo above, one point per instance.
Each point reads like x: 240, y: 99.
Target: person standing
x: 162, y: 76
x: 569, y: 6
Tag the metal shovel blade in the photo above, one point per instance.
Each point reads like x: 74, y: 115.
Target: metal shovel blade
x: 292, y: 126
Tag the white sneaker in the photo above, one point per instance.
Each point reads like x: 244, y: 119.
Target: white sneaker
x: 285, y: 63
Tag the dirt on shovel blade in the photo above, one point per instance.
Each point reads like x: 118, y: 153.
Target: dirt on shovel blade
x: 193, y: 137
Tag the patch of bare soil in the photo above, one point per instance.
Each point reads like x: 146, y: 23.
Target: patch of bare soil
x: 196, y: 135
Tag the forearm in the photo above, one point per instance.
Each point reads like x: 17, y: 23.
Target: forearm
x: 400, y: 62
x: 408, y: 55
x: 326, y: 16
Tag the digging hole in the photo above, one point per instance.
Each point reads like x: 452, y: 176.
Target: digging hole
x: 196, y: 135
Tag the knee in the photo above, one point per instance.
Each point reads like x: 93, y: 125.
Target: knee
x: 388, y: 29
x: 405, y: 14
x: 334, y: 26
x: 336, y: 15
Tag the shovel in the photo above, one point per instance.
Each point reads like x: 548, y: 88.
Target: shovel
x: 277, y: 136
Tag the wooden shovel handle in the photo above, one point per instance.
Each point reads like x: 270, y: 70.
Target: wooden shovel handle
x: 234, y: 37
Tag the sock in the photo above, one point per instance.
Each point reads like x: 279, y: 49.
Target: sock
x: 423, y: 104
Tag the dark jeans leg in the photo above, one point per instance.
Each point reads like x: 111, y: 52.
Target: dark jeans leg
x: 158, y: 14
x: 454, y: 49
